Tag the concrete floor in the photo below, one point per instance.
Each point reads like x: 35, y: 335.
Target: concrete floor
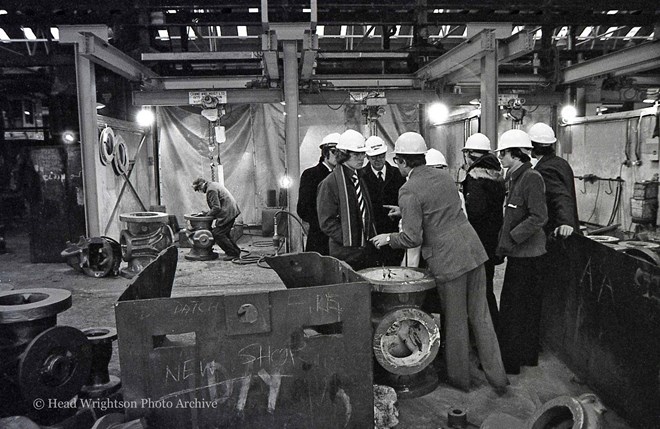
x: 93, y: 305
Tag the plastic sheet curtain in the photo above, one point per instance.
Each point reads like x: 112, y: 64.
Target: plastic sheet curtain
x: 253, y: 156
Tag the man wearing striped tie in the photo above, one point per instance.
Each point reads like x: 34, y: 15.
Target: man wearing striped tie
x: 344, y: 208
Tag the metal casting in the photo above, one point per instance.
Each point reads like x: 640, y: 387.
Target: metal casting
x: 100, y: 383
x: 146, y: 234
x: 96, y: 256
x: 199, y: 234
x: 406, y: 338
x: 120, y: 159
x: 39, y: 360
x: 106, y: 145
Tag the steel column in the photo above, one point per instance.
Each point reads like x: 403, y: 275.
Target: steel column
x: 290, y: 49
x: 86, y: 83
x: 489, y: 106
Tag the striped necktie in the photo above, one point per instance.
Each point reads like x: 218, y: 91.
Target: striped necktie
x: 361, y: 205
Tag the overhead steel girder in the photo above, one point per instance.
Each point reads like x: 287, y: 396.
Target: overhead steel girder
x: 179, y: 97
x: 204, y: 82
x: 102, y: 53
x: 369, y: 81
x: 460, y: 56
x: 631, y: 60
x: 309, y: 51
x: 509, y: 49
x: 201, y: 56
x: 394, y: 96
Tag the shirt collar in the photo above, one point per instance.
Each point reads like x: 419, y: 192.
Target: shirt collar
x: 379, y: 171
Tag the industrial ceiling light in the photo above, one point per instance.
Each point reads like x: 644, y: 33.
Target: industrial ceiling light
x: 568, y: 113
x: 437, y: 113
x: 285, y: 182
x: 145, y: 117
x: 68, y: 137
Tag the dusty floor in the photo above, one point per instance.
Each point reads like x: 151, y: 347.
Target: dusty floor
x: 93, y: 305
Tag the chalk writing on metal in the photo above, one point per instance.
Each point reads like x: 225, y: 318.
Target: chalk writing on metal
x: 195, y: 307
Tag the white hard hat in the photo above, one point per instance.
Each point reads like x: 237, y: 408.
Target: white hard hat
x: 477, y: 141
x: 514, y: 138
x: 542, y: 133
x: 435, y: 157
x: 375, y: 146
x: 410, y: 144
x: 352, y: 141
x: 332, y: 138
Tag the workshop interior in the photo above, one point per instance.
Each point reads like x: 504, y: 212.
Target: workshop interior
x: 117, y: 309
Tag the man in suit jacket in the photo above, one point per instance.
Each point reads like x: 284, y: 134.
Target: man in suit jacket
x: 383, y: 183
x: 344, y: 207
x: 317, y: 241
x: 431, y: 216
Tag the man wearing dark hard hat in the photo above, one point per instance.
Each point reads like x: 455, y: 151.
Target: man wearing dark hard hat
x: 223, y: 207
x: 317, y: 241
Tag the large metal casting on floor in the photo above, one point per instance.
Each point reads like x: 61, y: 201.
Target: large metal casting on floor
x: 199, y: 234
x: 285, y: 358
x: 406, y: 338
x: 39, y: 360
x: 96, y: 256
x: 146, y: 234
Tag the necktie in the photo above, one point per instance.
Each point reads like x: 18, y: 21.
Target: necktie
x: 380, y: 176
x: 360, y: 202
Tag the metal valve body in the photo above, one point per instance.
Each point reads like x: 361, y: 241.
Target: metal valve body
x: 199, y: 234
x: 145, y: 236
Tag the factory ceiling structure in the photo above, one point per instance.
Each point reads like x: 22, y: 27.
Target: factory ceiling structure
x: 416, y: 50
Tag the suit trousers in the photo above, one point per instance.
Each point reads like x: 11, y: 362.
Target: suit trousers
x: 465, y: 309
x: 224, y: 240
x: 520, y: 313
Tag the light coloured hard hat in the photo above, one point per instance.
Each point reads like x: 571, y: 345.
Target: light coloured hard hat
x: 542, y: 133
x: 410, y: 144
x: 435, y: 157
x: 514, y: 138
x: 330, y: 139
x: 352, y: 141
x: 477, y: 141
x: 375, y: 146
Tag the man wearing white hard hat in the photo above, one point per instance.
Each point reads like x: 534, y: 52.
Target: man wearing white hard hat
x: 522, y: 242
x: 383, y: 183
x: 435, y: 158
x: 484, y: 190
x: 431, y: 216
x: 559, y: 183
x: 344, y: 207
x: 317, y: 241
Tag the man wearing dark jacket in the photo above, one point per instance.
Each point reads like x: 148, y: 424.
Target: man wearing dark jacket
x: 484, y: 191
x: 383, y: 183
x: 317, y: 241
x: 223, y: 207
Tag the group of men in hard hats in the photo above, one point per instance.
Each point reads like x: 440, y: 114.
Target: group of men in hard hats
x: 460, y: 241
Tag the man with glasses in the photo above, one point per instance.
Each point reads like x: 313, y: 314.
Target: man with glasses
x: 344, y: 207
x: 431, y: 216
x: 317, y: 241
x: 383, y: 182
x: 484, y: 190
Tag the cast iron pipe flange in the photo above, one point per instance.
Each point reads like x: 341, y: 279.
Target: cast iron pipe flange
x: 584, y: 412
x: 55, y: 365
x: 100, y: 383
x: 27, y: 305
x: 120, y: 159
x: 95, y: 257
x: 106, y: 145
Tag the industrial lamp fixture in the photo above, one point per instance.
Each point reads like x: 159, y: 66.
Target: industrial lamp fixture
x: 568, y: 113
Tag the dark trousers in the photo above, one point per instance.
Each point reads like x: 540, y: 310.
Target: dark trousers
x: 520, y: 313
x: 317, y: 241
x: 223, y: 239
x: 490, y: 295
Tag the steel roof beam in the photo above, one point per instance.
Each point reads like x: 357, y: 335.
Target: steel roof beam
x: 201, y: 56
x: 204, y: 82
x: 626, y: 61
x: 180, y: 97
x: 461, y: 56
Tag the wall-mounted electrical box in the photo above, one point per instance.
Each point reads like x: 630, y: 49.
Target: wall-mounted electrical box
x: 651, y: 147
